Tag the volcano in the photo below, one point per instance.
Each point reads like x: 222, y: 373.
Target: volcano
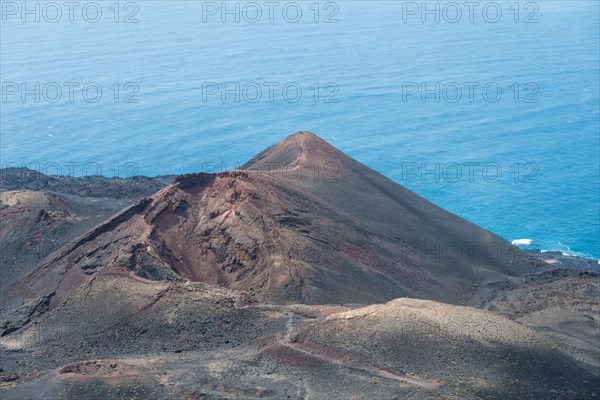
x: 302, y: 274
x: 301, y: 222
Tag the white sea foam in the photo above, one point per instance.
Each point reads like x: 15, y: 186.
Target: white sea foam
x: 525, y: 242
x: 568, y: 252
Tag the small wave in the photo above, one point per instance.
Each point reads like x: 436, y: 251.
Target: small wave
x: 566, y: 251
x: 569, y: 252
x: 524, y: 242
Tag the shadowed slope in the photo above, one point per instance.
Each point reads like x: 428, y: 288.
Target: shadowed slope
x: 474, y: 351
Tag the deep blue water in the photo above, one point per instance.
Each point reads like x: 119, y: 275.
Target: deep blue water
x: 371, y: 57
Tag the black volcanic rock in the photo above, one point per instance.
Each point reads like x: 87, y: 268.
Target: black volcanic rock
x: 85, y: 186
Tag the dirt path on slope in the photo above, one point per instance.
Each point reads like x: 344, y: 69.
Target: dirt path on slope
x: 286, y: 341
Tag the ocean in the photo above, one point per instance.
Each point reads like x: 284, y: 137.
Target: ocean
x: 491, y: 112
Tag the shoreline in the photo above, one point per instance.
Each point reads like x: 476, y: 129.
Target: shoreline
x: 563, y: 260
